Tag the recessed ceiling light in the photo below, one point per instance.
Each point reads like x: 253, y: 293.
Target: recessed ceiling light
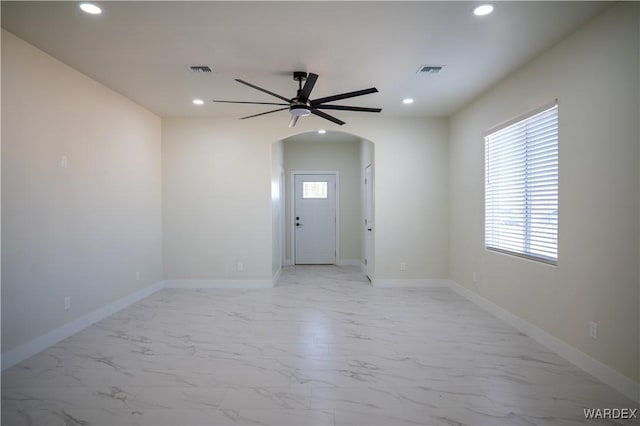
x: 483, y: 10
x: 90, y: 8
x: 407, y: 101
x: 322, y: 131
x: 198, y: 102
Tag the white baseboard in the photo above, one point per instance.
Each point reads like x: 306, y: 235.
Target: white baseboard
x: 218, y: 284
x: 339, y: 262
x: 409, y: 282
x: 32, y: 347
x: 348, y: 262
x: 601, y: 371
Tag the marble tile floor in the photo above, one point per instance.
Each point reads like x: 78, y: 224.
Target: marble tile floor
x: 321, y: 348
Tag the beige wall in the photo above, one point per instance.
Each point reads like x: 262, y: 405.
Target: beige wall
x: 343, y: 157
x: 216, y: 200
x: 594, y: 75
x: 217, y: 176
x: 84, y: 231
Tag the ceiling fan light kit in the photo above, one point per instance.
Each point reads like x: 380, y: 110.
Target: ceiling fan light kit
x: 300, y: 110
x: 301, y: 105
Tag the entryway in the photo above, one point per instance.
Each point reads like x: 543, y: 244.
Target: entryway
x: 331, y: 199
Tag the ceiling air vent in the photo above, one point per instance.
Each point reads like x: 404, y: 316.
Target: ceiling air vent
x: 200, y: 69
x: 430, y: 69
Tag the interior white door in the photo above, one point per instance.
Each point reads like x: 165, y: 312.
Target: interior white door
x: 368, y: 222
x: 315, y: 219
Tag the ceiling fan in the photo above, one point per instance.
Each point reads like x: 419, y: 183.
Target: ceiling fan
x: 301, y: 105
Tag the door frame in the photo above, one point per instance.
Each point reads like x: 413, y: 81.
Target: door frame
x: 283, y: 218
x: 370, y: 222
x: 292, y: 239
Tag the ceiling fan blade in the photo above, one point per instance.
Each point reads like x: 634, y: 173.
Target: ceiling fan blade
x: 326, y: 116
x: 262, y: 90
x: 293, y: 121
x: 263, y: 113
x: 317, y: 102
x: 253, y: 103
x: 308, y: 87
x: 348, y: 108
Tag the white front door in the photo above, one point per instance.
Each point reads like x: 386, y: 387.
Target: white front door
x: 368, y: 222
x: 315, y: 219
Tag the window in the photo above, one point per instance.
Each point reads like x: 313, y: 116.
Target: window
x: 314, y: 189
x: 521, y: 187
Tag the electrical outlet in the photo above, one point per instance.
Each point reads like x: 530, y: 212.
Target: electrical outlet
x: 475, y: 277
x: 403, y: 266
x: 138, y: 276
x: 64, y: 162
x: 593, y: 329
x: 240, y: 266
x: 67, y: 302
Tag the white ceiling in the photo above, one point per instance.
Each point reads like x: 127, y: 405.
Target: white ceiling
x: 141, y: 49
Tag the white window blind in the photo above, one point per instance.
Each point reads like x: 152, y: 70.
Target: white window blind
x: 521, y: 187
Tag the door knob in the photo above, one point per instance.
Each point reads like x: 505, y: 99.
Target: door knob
x: 369, y: 229
x: 297, y: 224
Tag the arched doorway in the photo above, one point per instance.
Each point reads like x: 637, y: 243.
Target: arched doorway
x: 346, y: 157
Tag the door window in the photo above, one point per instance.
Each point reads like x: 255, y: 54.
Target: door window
x: 314, y: 190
